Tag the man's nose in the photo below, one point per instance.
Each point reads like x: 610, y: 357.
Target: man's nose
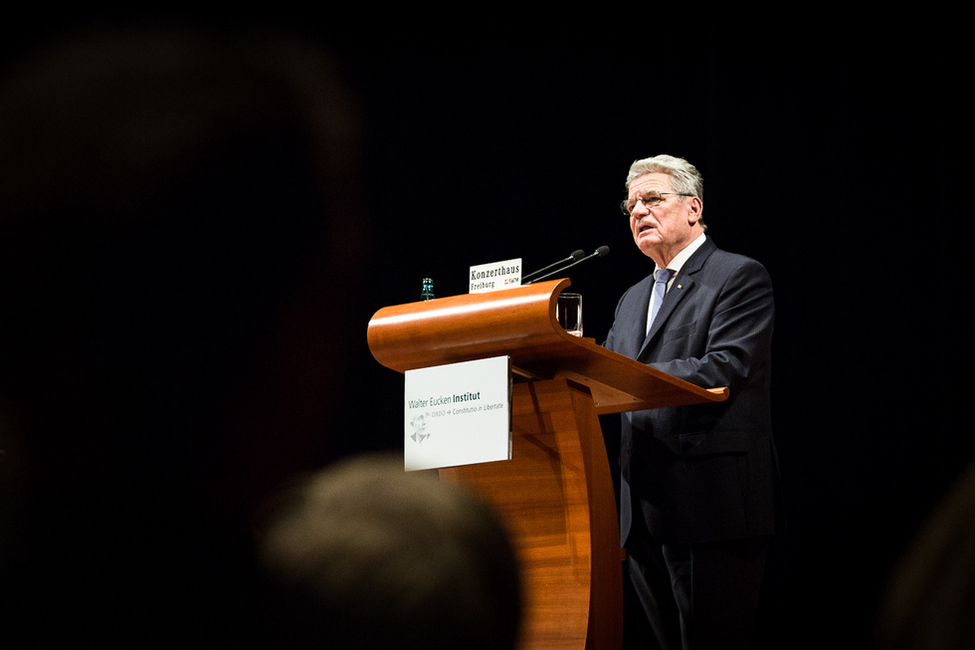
x: 640, y: 210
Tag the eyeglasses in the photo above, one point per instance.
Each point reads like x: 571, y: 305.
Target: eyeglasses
x: 650, y: 200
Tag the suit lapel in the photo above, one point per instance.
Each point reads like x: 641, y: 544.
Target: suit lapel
x: 681, y: 287
x: 633, y: 340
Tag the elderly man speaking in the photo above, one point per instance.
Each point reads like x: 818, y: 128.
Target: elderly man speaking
x: 697, y: 482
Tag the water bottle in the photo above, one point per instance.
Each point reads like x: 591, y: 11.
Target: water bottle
x: 427, y: 293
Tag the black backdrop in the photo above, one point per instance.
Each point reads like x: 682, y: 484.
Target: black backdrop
x: 824, y: 145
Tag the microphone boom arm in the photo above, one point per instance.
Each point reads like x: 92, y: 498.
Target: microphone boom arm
x: 602, y: 251
x: 576, y: 255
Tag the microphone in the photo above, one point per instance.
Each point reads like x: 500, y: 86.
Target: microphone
x: 577, y: 255
x: 602, y: 251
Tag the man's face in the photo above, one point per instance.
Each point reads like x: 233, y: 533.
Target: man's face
x: 664, y: 230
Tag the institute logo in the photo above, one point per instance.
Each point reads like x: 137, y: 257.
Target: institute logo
x: 419, y: 426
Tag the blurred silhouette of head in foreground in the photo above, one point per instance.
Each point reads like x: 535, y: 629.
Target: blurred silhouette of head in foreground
x: 179, y: 223
x: 366, y: 555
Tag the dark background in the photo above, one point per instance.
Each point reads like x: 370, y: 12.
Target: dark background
x: 828, y: 148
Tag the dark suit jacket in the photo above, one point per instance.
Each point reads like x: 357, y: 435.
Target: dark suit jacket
x: 702, y: 473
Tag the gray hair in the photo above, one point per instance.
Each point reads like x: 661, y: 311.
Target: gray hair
x: 684, y: 177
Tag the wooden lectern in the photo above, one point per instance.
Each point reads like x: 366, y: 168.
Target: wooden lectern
x: 556, y: 493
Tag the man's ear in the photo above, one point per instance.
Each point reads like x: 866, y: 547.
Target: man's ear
x: 694, y: 209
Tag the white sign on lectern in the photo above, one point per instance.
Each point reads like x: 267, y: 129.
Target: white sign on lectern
x: 458, y: 414
x: 495, y: 276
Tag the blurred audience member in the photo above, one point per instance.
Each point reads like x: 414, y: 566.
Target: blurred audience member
x: 365, y: 556
x: 930, y: 602
x: 179, y: 224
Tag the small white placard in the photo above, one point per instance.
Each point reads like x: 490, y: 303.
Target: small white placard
x: 458, y: 414
x: 496, y: 275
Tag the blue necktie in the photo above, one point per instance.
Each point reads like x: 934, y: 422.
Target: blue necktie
x: 659, y: 290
